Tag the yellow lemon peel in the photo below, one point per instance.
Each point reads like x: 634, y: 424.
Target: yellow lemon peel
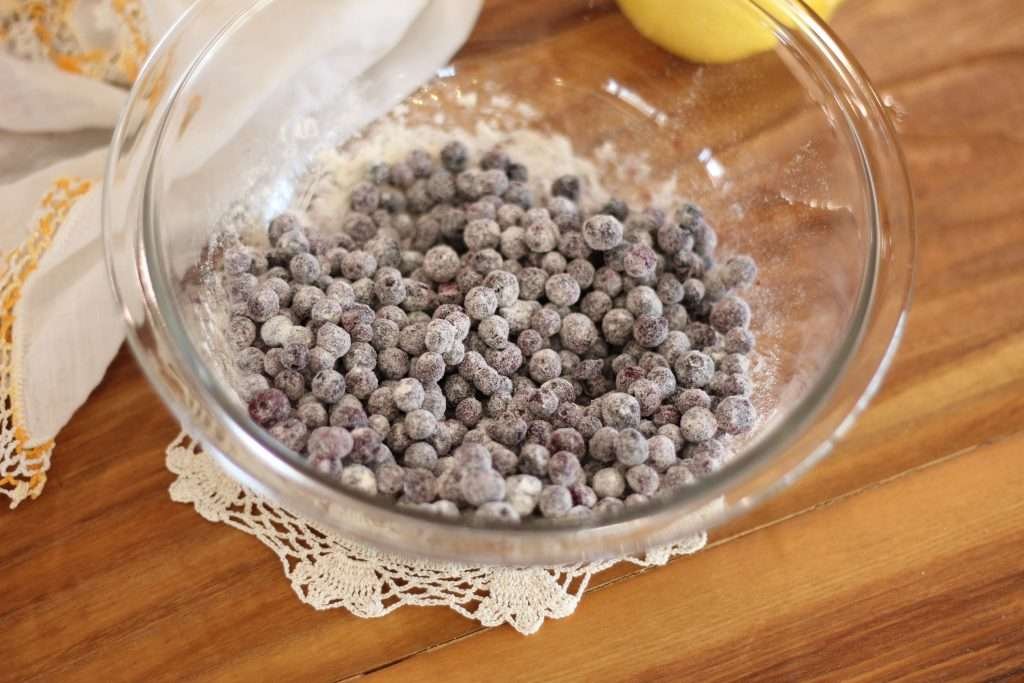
x: 713, y: 31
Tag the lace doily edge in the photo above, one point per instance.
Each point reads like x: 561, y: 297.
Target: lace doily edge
x: 364, y: 580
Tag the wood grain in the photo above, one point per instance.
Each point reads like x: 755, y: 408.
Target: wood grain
x: 882, y: 589
x: 897, y: 558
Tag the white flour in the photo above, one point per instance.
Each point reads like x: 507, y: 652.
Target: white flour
x: 546, y: 156
x: 498, y: 121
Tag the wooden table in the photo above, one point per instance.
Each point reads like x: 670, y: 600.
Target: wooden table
x: 902, y: 556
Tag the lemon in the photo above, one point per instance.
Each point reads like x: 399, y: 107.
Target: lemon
x: 708, y: 30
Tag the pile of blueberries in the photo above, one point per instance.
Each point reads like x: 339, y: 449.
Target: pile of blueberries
x: 458, y: 344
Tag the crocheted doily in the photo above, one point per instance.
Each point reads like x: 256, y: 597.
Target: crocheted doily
x: 327, y: 571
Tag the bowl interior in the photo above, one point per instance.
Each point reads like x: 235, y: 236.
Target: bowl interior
x: 763, y: 145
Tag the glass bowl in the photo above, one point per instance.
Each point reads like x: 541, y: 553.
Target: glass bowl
x: 789, y: 153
